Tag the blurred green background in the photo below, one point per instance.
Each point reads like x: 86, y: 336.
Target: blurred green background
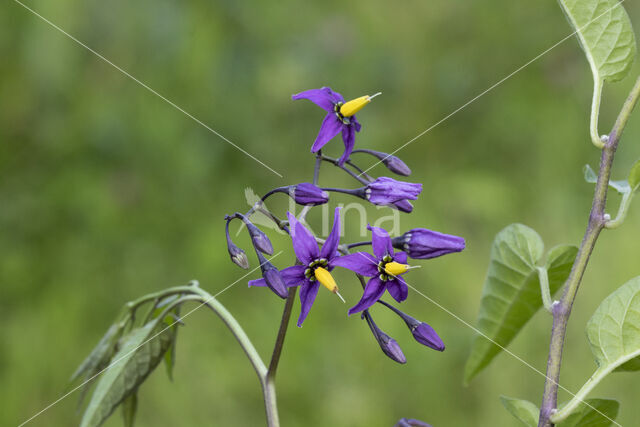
x: 107, y: 193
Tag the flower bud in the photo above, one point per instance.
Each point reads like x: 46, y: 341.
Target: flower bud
x: 393, y: 163
x: 259, y: 239
x: 388, y: 345
x: 308, y: 194
x: 272, y: 277
x: 238, y: 256
x: 420, y: 243
x: 386, y: 191
x: 426, y: 335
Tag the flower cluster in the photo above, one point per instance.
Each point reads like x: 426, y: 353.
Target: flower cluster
x: 316, y: 258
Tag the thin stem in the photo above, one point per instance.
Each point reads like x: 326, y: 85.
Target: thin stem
x: 622, y: 210
x: 355, y: 245
x: 282, y: 332
x: 543, y: 277
x: 562, y: 310
x: 354, y: 175
x: 595, y: 112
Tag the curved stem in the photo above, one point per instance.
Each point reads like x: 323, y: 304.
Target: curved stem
x: 595, y: 112
x: 562, y: 310
x: 237, y: 331
x: 354, y: 175
x: 622, y: 210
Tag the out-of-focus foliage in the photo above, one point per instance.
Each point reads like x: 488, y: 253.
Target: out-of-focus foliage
x: 107, y: 193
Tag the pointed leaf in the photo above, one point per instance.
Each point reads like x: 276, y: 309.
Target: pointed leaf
x: 511, y: 294
x: 129, y: 409
x: 605, y: 34
x: 614, y: 329
x: 621, y: 186
x: 598, y: 413
x: 523, y: 410
x: 170, y: 355
x: 138, y: 356
x: 100, y: 355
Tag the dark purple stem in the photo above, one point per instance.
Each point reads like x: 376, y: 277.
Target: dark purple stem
x: 597, y: 221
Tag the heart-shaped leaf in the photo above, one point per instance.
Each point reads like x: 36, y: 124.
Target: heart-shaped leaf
x: 138, y: 356
x: 511, y: 294
x: 605, y: 34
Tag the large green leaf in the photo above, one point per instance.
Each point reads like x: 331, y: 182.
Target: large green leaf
x: 511, y: 294
x: 598, y: 413
x: 137, y: 358
x: 614, y: 329
x: 523, y: 410
x: 605, y: 34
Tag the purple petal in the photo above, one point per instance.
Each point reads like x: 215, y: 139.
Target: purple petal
x: 372, y: 293
x: 308, y: 293
x: 360, y: 262
x: 355, y: 123
x: 400, y: 257
x: 398, y: 289
x: 330, y: 127
x: 324, y: 98
x: 380, y: 242
x: 304, y: 244
x: 349, y: 139
x: 330, y: 246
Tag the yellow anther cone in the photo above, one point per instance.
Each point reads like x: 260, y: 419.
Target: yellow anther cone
x: 395, y: 268
x: 326, y: 279
x: 349, y: 108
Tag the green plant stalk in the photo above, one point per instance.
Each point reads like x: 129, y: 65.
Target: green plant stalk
x: 543, y: 277
x: 595, y: 111
x: 622, y: 210
x: 597, y: 221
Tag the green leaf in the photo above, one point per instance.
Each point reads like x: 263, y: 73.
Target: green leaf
x: 523, y: 410
x: 587, y: 416
x: 100, y: 355
x: 170, y: 355
x: 634, y: 176
x: 614, y: 329
x: 605, y: 34
x: 621, y: 186
x: 137, y: 358
x: 97, y: 360
x: 511, y: 294
x: 129, y: 409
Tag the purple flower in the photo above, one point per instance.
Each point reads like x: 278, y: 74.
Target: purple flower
x: 308, y: 194
x: 386, y: 191
x: 316, y: 263
x: 384, y: 267
x: 421, y: 243
x: 340, y: 117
